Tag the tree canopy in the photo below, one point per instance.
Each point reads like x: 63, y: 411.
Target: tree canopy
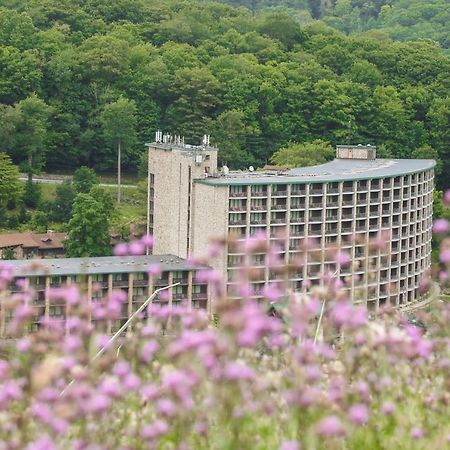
x: 303, y: 154
x: 88, y: 229
x: 10, y: 186
x: 254, y: 74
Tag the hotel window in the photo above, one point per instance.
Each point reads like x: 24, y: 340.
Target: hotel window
x: 139, y: 291
x: 257, y: 189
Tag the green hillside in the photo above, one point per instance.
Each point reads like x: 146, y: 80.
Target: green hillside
x: 253, y: 81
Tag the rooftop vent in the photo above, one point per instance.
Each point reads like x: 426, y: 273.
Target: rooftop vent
x: 356, y: 152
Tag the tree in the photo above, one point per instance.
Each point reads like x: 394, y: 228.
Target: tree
x: 32, y: 194
x: 40, y: 221
x: 84, y: 179
x: 303, y: 154
x: 229, y: 133
x: 31, y: 132
x: 119, y: 128
x: 10, y: 185
x: 439, y: 118
x: 105, y: 199
x: 196, y: 98
x: 61, y: 208
x: 8, y: 253
x: 88, y: 229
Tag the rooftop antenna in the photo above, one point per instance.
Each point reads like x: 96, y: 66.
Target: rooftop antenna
x: 158, y: 136
x: 206, y: 140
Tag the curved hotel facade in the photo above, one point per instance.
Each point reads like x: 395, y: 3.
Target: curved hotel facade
x: 345, y: 204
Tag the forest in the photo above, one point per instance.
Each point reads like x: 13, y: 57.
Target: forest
x: 254, y: 76
x: 400, y: 19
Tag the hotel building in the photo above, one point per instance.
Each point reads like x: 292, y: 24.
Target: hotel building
x: 98, y: 277
x: 344, y: 204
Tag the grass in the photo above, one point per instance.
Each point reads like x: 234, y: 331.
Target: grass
x: 48, y: 191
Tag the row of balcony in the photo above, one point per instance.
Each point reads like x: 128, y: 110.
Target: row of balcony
x: 409, y: 189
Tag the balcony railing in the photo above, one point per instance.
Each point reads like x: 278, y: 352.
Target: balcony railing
x: 259, y: 194
x: 278, y: 207
x: 238, y: 194
x: 181, y: 280
x: 161, y: 282
x: 279, y: 193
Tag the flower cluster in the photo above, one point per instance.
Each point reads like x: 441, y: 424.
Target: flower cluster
x: 307, y: 372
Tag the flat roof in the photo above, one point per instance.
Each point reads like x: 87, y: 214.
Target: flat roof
x: 97, y: 265
x: 336, y: 170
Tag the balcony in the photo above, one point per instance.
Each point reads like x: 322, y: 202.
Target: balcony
x: 333, y: 190
x: 278, y: 221
x: 259, y: 194
x: 237, y: 222
x: 238, y: 194
x: 279, y: 207
x: 296, y: 191
x: 237, y: 209
x: 161, y: 282
x: 181, y: 280
x: 258, y: 208
x: 258, y: 221
x: 279, y: 193
x: 138, y: 283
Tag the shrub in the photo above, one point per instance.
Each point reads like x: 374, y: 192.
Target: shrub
x: 32, y: 194
x: 84, y: 179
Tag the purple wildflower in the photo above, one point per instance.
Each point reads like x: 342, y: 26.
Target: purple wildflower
x: 417, y: 433
x: 290, y: 445
x: 330, y: 426
x: 441, y: 226
x: 358, y: 414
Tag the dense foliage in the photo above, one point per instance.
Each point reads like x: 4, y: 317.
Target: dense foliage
x: 253, y: 381
x: 10, y: 186
x: 255, y: 82
x: 88, y: 227
x: 400, y: 19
